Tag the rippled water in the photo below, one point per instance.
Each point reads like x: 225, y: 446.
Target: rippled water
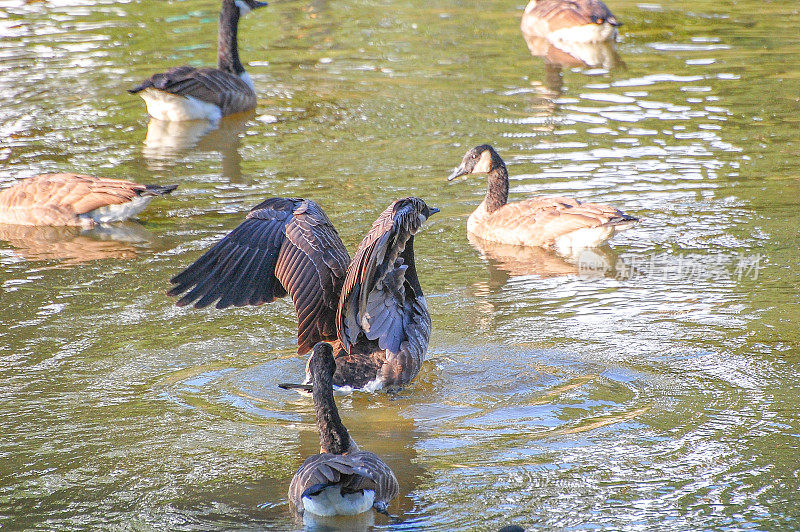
x: 649, y: 385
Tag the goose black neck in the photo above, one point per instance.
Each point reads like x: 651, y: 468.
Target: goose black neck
x: 333, y: 436
x: 411, y: 272
x: 227, y: 39
x: 497, y: 194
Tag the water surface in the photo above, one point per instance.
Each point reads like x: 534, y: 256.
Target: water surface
x: 650, y: 385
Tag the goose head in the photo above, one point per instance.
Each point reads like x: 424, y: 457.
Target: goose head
x: 479, y: 160
x: 246, y: 6
x: 408, y: 207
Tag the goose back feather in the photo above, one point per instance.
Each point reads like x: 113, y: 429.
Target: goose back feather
x: 569, y: 20
x: 75, y: 199
x: 200, y: 87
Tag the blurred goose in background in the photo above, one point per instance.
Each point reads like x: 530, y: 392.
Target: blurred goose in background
x: 569, y: 20
x: 189, y: 93
x: 342, y: 479
x: 75, y: 199
x: 371, y: 309
x: 564, y: 224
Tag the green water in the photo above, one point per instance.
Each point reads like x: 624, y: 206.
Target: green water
x: 655, y: 391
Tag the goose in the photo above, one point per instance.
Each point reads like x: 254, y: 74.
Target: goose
x: 569, y: 20
x: 189, y: 93
x: 75, y: 199
x: 560, y: 223
x: 342, y: 479
x: 371, y: 309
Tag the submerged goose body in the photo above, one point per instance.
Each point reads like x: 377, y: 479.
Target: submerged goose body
x: 569, y: 20
x: 342, y: 479
x: 189, y: 93
x: 371, y: 309
x: 561, y: 223
x: 75, y: 199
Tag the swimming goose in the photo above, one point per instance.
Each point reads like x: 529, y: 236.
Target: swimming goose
x: 189, y: 93
x: 75, y: 199
x: 373, y: 310
x: 565, y: 224
x: 569, y: 20
x: 342, y: 479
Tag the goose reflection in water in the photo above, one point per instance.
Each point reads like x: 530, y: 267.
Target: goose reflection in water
x: 515, y: 261
x: 168, y: 142
x: 560, y: 55
x: 75, y: 245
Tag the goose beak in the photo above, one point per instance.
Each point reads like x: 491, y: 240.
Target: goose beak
x: 433, y: 210
x: 458, y: 171
x: 257, y: 4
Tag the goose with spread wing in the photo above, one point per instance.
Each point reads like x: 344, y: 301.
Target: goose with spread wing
x: 342, y: 479
x: 189, y: 93
x: 561, y: 223
x: 371, y: 309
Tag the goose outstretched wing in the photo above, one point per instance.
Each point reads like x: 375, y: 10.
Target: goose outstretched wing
x: 285, y: 245
x: 381, y: 298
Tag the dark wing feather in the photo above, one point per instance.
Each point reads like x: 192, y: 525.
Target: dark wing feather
x: 353, y: 471
x: 223, y: 89
x: 376, y: 299
x: 284, y: 246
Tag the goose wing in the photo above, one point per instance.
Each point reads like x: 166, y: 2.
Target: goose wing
x: 285, y: 245
x: 539, y: 221
x: 355, y: 471
x: 58, y: 199
x: 223, y: 89
x: 381, y: 299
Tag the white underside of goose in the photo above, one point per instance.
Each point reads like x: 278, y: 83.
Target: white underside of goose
x: 585, y: 33
x: 587, y: 237
x: 165, y: 106
x: 371, y: 387
x: 330, y: 501
x: 117, y: 213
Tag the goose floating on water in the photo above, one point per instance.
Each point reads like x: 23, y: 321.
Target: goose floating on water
x: 189, y: 93
x: 342, y: 479
x: 560, y: 223
x: 75, y: 199
x: 371, y: 309
x: 569, y: 20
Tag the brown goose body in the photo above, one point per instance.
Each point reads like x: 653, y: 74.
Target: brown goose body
x: 74, y: 199
x: 559, y: 223
x: 569, y: 20
x: 342, y: 479
x: 189, y: 93
x: 371, y: 308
